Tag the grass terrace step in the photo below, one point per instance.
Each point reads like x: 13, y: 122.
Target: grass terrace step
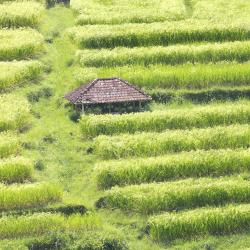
x: 201, y: 95
x: 18, y: 72
x: 175, y: 54
x: 18, y: 44
x: 165, y: 33
x: 177, y: 118
x: 9, y: 144
x: 20, y: 14
x: 28, y: 196
x: 187, y: 76
x: 16, y: 170
x: 170, y: 167
x: 200, y: 223
x: 14, y: 112
x: 183, y: 194
x: 153, y: 144
x: 128, y: 12
x: 12, y: 227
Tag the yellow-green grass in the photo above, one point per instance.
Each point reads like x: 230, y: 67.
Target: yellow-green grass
x: 117, y: 12
x: 199, y: 223
x: 183, y: 194
x: 221, y: 10
x: 18, y: 72
x: 14, y: 112
x: 16, y: 170
x: 186, y: 76
x: 20, y: 44
x: 9, y: 144
x: 12, y: 227
x: 165, y: 33
x: 198, y: 163
x: 21, y: 196
x: 179, y: 118
x: 175, y: 54
x: 170, y: 141
x: 20, y: 14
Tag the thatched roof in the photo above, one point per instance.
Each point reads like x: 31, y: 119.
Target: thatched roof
x: 107, y: 90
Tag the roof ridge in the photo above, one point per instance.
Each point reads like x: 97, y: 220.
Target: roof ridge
x: 88, y: 87
x: 134, y: 87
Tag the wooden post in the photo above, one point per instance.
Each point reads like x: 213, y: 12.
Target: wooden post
x: 82, y: 108
x: 139, y: 106
x: 109, y: 108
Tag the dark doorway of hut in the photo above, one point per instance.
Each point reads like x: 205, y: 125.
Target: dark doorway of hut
x: 108, y: 95
x: 52, y: 3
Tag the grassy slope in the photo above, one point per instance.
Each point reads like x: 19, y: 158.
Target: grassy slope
x: 65, y: 159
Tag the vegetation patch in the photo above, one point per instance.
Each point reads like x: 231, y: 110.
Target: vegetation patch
x: 178, y: 118
x: 16, y: 170
x: 199, y: 223
x: 163, y: 168
x: 153, y: 144
x: 18, y: 72
x: 20, y: 14
x: 28, y: 196
x: 18, y: 44
x: 183, y: 194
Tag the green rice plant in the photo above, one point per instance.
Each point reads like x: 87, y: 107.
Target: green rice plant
x: 17, y: 72
x: 9, y: 144
x: 170, y: 141
x: 39, y: 1
x: 200, y: 95
x: 12, y: 227
x: 187, y: 76
x: 221, y: 10
x: 28, y: 195
x: 175, y: 54
x: 177, y: 118
x: 198, y: 163
x: 14, y: 112
x: 20, y: 44
x: 165, y: 33
x: 128, y: 12
x: 183, y: 194
x: 199, y: 223
x: 20, y: 14
x: 15, y: 170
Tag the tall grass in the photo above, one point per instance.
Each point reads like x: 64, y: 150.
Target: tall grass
x: 128, y: 11
x: 187, y: 76
x: 190, y: 193
x: 20, y: 44
x: 16, y: 73
x: 42, y: 223
x: 28, y: 195
x: 9, y: 144
x: 162, y: 168
x: 221, y: 10
x: 175, y: 54
x: 16, y: 170
x: 165, y: 33
x: 20, y: 14
x: 179, y: 118
x: 153, y: 144
x: 14, y: 112
x: 199, y: 223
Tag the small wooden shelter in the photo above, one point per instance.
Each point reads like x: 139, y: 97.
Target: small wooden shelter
x: 108, y: 94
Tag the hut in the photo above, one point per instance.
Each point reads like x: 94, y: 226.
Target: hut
x: 113, y: 95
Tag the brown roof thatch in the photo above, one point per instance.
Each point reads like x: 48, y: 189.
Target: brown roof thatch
x: 107, y: 90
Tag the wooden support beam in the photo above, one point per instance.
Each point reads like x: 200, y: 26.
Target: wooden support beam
x: 83, y: 108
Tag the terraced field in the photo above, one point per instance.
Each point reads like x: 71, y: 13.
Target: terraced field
x: 173, y: 177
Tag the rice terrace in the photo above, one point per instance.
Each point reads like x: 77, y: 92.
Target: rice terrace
x: 124, y: 124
